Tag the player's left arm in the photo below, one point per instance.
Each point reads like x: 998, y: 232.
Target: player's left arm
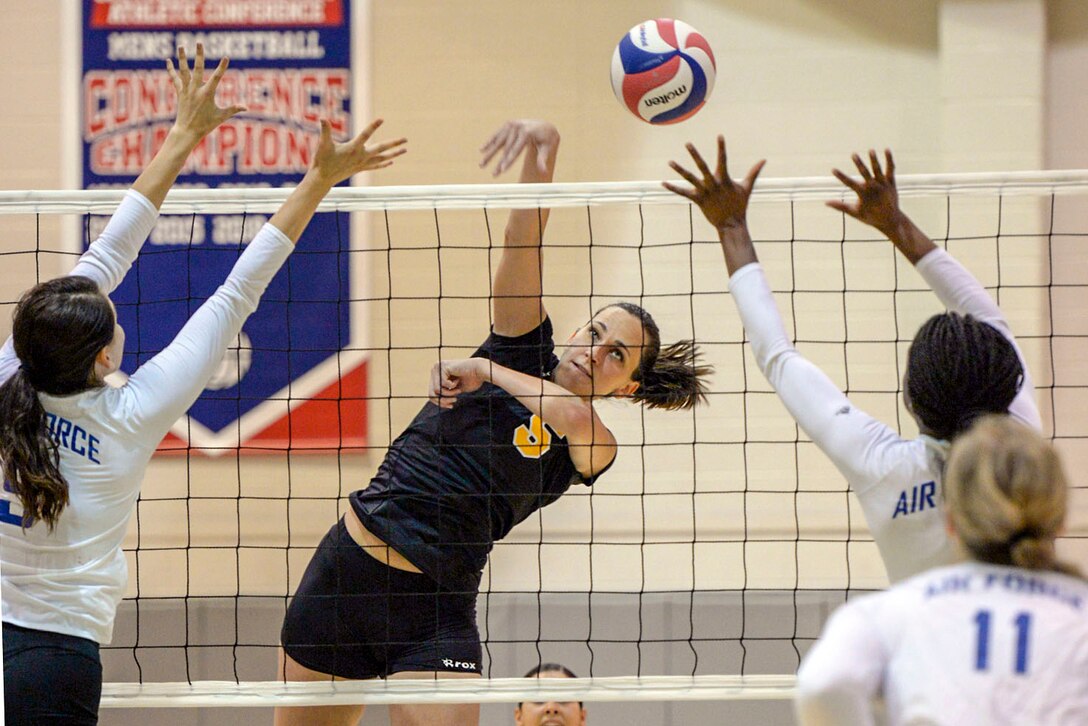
x: 591, y: 444
x: 164, y: 387
x: 109, y: 258
x: 877, y: 205
x: 841, y: 675
x: 517, y: 288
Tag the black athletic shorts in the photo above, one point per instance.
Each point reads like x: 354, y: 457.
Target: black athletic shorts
x: 355, y: 617
x: 50, y: 679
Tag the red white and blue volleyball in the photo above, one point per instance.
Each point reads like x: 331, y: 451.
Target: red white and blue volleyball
x: 663, y: 71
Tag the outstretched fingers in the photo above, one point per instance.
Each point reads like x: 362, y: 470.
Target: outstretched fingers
x: 217, y: 74
x: 691, y: 178
x: 174, y: 77
x: 363, y: 136
x: 853, y: 185
x: 753, y: 174
x: 183, y: 66
x: 198, y: 65
x: 862, y: 169
x: 874, y: 162
x: 843, y: 207
x: 723, y: 168
x: 685, y: 192
x: 708, y: 177
x: 513, y: 150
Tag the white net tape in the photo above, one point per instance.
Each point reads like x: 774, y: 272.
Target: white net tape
x: 493, y: 690
x: 506, y: 196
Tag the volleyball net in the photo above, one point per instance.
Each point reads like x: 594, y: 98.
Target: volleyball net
x: 704, y: 563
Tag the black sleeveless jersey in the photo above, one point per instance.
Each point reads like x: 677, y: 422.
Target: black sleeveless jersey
x: 458, y: 480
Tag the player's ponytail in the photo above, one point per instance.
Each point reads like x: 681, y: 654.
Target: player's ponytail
x: 671, y: 377
x: 58, y: 329
x: 1007, y: 495
x: 958, y: 369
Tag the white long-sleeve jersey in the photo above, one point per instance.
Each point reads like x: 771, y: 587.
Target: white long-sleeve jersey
x: 71, y: 580
x: 897, y: 480
x: 965, y: 644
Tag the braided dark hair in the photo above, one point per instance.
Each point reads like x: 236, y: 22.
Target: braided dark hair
x: 959, y: 368
x: 671, y: 377
x: 59, y: 328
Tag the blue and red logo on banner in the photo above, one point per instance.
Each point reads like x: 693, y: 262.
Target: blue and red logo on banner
x: 292, y: 378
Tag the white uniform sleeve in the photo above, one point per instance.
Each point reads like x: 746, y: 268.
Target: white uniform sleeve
x: 108, y: 258
x: 855, y: 442
x: 960, y: 292
x: 168, y: 384
x: 842, y: 673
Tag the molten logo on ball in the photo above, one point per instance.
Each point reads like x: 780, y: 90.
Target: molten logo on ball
x: 663, y: 71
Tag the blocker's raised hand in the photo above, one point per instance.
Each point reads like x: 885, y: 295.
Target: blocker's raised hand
x: 334, y: 162
x: 724, y: 202
x: 513, y: 137
x: 878, y: 200
x: 197, y: 113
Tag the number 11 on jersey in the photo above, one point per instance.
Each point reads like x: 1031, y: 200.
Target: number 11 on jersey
x: 1022, y: 625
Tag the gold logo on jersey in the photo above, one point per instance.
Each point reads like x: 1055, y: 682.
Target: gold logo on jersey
x: 533, y: 439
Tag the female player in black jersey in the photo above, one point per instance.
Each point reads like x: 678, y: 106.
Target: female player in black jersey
x: 391, y: 590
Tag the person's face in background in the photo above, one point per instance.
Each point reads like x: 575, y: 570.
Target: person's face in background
x: 550, y: 713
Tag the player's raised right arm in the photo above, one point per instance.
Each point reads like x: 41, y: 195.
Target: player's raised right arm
x: 332, y: 164
x: 109, y: 258
x: 165, y: 387
x: 877, y: 205
x: 517, y: 286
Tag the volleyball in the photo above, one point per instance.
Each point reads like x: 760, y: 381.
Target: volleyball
x: 663, y: 71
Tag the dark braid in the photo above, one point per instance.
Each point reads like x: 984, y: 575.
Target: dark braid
x: 59, y: 328
x: 671, y: 377
x: 958, y: 369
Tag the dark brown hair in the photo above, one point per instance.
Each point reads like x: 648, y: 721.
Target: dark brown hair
x: 59, y: 327
x: 671, y: 377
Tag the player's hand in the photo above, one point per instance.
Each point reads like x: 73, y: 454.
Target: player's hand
x: 724, y: 202
x: 197, y: 113
x: 333, y: 162
x: 878, y: 201
x: 451, y: 378
x: 530, y: 135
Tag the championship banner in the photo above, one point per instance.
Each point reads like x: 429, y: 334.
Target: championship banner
x: 292, y: 379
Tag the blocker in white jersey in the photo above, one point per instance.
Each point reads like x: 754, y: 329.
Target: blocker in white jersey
x: 961, y: 364
x: 1002, y: 639
x: 74, y: 450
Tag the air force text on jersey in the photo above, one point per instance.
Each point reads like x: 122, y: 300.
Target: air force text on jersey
x: 1012, y: 580
x: 73, y: 437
